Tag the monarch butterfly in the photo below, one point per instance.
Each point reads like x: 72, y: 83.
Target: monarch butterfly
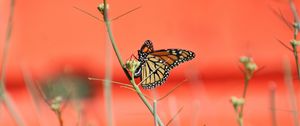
x: 155, y: 64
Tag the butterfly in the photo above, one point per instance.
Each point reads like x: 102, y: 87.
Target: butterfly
x: 155, y: 65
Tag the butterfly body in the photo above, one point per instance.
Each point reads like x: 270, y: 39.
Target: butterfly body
x: 155, y: 65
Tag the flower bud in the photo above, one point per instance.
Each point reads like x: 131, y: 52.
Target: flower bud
x: 101, y: 7
x: 132, y: 65
x: 237, y: 102
x: 295, y: 42
x: 245, y: 59
x: 251, y: 67
x: 56, y: 103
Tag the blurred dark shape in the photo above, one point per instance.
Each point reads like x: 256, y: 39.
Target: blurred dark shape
x: 67, y: 86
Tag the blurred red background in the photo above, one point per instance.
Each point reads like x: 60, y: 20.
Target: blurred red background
x: 50, y: 35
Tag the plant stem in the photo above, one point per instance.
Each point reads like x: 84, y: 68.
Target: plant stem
x: 240, y: 114
x: 107, y: 85
x: 291, y: 90
x: 3, y: 93
x: 246, y: 83
x: 273, y: 104
x: 296, y: 30
x: 112, y: 40
x: 11, y: 106
x: 296, y: 59
x: 59, y: 117
x: 7, y: 43
x: 144, y: 99
x: 154, y: 112
x: 294, y: 11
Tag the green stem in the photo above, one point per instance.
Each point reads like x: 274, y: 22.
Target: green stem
x: 296, y: 59
x: 246, y: 83
x: 240, y: 114
x: 107, y: 86
x: 154, y: 112
x: 112, y: 40
x: 11, y: 106
x: 296, y: 31
x: 145, y: 101
x: 3, y: 93
x: 7, y: 43
x: 273, y: 104
x: 59, y: 117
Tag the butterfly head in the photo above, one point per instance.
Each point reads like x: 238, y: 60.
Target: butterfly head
x: 146, y: 48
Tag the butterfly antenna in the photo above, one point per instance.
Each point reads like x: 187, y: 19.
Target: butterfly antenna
x: 130, y: 58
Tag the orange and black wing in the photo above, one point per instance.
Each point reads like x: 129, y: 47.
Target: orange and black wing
x: 156, y: 66
x: 173, y: 57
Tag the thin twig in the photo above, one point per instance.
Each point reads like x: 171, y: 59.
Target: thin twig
x: 258, y: 70
x: 33, y: 91
x: 284, y: 45
x: 116, y: 82
x: 134, y: 9
x: 44, y: 97
x: 30, y: 86
x: 281, y: 16
x: 85, y: 12
x: 170, y: 121
x: 116, y: 18
x: 172, y: 90
x: 131, y: 89
x: 241, y: 69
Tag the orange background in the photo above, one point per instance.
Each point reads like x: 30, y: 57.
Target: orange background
x: 49, y: 35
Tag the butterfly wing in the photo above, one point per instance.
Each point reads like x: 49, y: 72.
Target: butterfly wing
x: 157, y: 65
x: 146, y: 48
x: 154, y: 72
x: 173, y: 57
